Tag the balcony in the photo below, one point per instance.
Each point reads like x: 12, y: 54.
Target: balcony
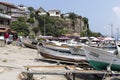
x: 4, y: 26
x: 5, y: 16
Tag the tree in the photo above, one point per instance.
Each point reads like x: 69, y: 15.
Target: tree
x: 72, y: 16
x: 85, y: 20
x: 82, y: 34
x: 51, y: 26
x: 30, y: 20
x: 31, y: 9
x: 32, y: 15
x: 36, y: 30
x: 96, y: 34
x: 20, y: 27
x: 22, y: 19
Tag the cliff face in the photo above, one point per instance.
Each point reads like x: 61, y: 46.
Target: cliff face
x: 61, y: 25
x: 72, y: 26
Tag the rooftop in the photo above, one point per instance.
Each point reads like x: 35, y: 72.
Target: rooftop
x: 8, y: 4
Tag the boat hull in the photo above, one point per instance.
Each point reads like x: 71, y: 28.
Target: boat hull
x: 28, y: 43
x: 76, y: 50
x: 51, y: 54
x: 100, y: 59
x: 58, y: 48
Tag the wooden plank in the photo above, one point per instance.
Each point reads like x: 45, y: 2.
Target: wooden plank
x: 84, y: 65
x: 70, y: 67
x: 89, y: 72
x: 69, y: 71
x: 53, y: 60
x: 47, y: 72
x: 50, y: 66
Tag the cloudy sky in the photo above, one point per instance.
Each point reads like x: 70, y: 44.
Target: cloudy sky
x: 101, y: 13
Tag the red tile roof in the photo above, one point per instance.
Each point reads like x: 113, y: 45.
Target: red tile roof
x: 8, y: 4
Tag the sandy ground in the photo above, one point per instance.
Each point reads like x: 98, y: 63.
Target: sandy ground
x: 14, y: 58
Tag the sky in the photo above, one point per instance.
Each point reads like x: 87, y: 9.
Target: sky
x: 100, y: 13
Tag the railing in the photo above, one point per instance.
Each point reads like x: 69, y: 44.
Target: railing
x: 4, y: 26
x: 5, y: 16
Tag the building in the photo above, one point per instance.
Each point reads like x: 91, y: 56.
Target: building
x: 41, y: 11
x: 66, y: 15
x: 54, y: 13
x: 20, y: 11
x: 5, y: 17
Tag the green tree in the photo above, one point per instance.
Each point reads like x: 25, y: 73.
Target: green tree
x: 32, y: 15
x: 96, y: 34
x: 30, y: 20
x: 22, y: 19
x: 20, y: 26
x: 31, y: 9
x: 36, y: 30
x: 52, y: 26
x: 82, y: 34
x: 72, y: 16
x: 85, y: 20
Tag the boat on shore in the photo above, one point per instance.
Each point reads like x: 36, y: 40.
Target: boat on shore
x: 61, y: 47
x: 76, y: 50
x: 29, y: 43
x: 101, y: 59
x: 51, y: 54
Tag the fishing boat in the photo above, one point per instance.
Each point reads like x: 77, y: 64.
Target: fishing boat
x: 76, y: 50
x: 29, y: 43
x: 51, y: 54
x: 118, y: 47
x: 101, y: 59
x: 57, y: 46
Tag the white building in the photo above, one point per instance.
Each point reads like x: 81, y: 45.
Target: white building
x: 66, y: 15
x: 20, y: 11
x: 54, y: 13
x: 41, y: 11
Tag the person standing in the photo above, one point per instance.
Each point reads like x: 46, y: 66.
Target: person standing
x: 6, y: 36
x: 15, y: 38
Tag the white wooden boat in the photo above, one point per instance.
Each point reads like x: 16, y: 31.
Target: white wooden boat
x: 77, y: 50
x: 52, y: 54
x: 118, y: 48
x: 61, y: 48
x: 100, y: 59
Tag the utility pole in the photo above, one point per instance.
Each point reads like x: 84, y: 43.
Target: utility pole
x: 44, y: 27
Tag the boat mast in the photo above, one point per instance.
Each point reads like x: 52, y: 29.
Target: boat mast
x: 111, y: 30
x: 117, y: 33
